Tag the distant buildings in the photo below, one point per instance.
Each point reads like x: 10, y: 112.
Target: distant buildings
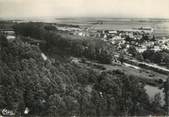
x: 140, y: 37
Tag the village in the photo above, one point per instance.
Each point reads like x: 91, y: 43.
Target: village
x: 84, y: 58
x: 141, y: 39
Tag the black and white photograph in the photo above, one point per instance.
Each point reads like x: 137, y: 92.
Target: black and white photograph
x: 84, y: 58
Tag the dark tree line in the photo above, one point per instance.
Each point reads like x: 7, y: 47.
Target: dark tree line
x: 63, y: 43
x: 160, y: 57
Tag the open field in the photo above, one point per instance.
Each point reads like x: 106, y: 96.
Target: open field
x: 141, y: 73
x: 160, y: 26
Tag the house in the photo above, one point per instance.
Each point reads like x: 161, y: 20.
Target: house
x: 141, y: 49
x: 156, y: 48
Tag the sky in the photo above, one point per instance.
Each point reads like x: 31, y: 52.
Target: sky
x: 84, y: 8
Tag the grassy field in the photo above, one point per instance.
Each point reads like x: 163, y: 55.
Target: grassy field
x: 141, y: 73
x: 148, y: 76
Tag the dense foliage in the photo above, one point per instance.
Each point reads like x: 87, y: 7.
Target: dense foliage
x: 56, y: 41
x: 166, y: 92
x: 159, y: 57
x: 54, y: 87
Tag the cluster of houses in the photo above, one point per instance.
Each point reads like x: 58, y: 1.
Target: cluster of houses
x: 118, y: 37
x: 163, y: 43
x: 124, y: 38
x: 156, y: 45
x: 141, y: 38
